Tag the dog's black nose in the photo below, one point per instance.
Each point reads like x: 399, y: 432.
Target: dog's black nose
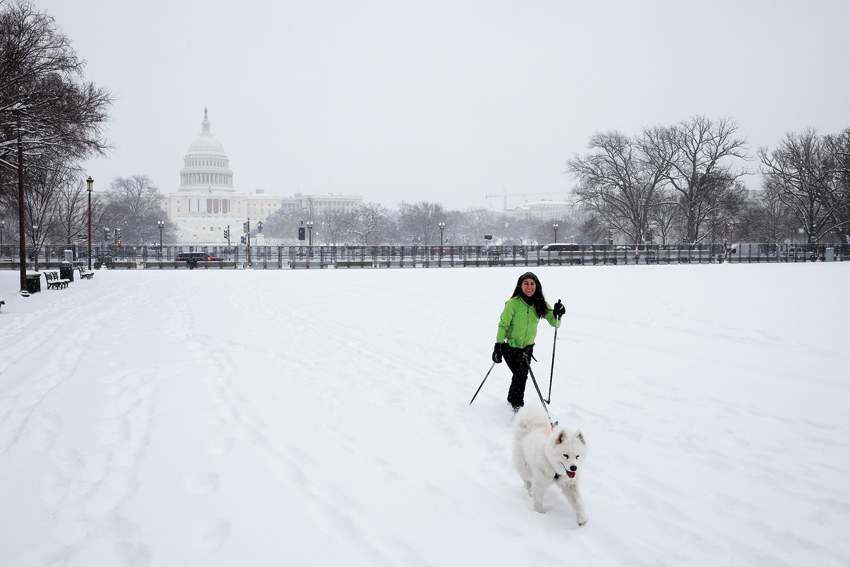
x: 573, y: 468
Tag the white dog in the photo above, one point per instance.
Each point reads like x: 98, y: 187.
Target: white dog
x: 543, y: 456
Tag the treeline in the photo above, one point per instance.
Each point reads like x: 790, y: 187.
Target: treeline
x: 51, y: 119
x: 679, y: 183
x: 427, y: 223
x: 684, y: 183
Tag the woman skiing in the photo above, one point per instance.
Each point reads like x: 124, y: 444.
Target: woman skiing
x: 518, y: 329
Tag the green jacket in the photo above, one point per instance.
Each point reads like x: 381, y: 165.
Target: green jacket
x: 518, y: 323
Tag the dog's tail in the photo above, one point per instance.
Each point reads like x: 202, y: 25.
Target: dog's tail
x: 528, y: 419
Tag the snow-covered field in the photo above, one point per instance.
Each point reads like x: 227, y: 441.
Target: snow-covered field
x: 239, y: 418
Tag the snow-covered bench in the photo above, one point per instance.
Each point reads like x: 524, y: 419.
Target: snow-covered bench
x: 85, y: 273
x: 54, y: 281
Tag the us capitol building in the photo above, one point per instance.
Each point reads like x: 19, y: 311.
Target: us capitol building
x: 207, y: 202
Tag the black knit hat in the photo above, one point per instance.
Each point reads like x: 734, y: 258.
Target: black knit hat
x: 526, y: 276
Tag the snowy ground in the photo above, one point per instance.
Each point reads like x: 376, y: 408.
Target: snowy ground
x: 225, y: 418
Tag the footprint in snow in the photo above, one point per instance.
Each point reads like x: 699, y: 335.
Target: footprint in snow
x: 204, y: 483
x: 210, y: 534
x: 220, y: 445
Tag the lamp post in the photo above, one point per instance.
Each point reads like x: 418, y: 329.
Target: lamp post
x: 160, y: 224
x: 2, y: 227
x: 442, y: 226
x: 89, y: 188
x: 555, y: 227
x: 310, y: 231
x: 21, y: 226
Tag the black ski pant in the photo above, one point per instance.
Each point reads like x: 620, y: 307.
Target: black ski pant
x: 517, y: 360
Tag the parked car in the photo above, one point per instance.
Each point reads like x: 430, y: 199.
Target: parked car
x: 192, y: 258
x: 570, y: 251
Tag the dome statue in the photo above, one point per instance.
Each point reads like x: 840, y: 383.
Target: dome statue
x: 206, y: 166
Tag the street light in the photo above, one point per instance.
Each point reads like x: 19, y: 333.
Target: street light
x: 310, y: 230
x: 89, y: 188
x: 442, y: 226
x: 161, y: 225
x: 555, y: 226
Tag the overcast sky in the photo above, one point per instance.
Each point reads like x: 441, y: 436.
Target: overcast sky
x: 444, y: 101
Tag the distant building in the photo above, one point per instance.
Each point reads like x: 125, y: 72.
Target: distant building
x: 321, y: 203
x: 541, y: 210
x: 207, y: 201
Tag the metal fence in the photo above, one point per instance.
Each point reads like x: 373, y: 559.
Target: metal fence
x: 348, y: 257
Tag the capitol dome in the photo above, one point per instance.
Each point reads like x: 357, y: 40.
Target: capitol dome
x: 206, y: 166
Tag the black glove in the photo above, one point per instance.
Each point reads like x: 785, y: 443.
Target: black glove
x: 559, y: 310
x: 497, y: 353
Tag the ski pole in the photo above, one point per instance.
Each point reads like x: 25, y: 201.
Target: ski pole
x: 542, y: 401
x: 482, y: 383
x: 554, y: 344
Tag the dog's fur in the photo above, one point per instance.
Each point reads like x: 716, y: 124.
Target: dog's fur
x: 543, y: 456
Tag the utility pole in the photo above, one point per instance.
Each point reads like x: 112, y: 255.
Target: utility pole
x: 23, y: 243
x: 89, y: 187
x: 246, y: 227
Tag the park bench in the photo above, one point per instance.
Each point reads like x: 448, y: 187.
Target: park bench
x: 54, y: 281
x: 355, y: 264
x: 85, y: 273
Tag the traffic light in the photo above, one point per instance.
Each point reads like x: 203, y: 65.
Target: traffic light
x: 226, y: 234
x: 243, y: 240
x: 260, y: 227
x: 117, y: 236
x: 106, y: 233
x: 246, y: 226
x: 301, y: 233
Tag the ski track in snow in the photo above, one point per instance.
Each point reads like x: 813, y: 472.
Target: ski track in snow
x: 322, y: 418
x: 81, y: 493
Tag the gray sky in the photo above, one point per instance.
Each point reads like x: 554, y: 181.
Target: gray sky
x: 444, y: 101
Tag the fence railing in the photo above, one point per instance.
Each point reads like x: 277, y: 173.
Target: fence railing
x: 347, y: 257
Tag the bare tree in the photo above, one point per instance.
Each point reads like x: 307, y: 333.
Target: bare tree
x: 619, y: 180
x: 334, y: 224
x: 41, y: 203
x: 43, y: 93
x: 838, y: 189
x: 133, y: 205
x: 469, y: 227
x: 72, y: 211
x: 479, y: 223
x: 724, y: 214
x: 419, y: 223
x: 283, y: 224
x: 703, y: 170
x: 367, y: 223
x: 767, y: 219
x: 666, y: 216
x: 800, y: 172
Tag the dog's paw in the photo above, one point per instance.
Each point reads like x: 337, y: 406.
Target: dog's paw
x: 582, y: 521
x: 539, y: 509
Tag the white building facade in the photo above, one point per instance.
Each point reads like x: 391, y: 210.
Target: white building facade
x: 207, y: 202
x: 541, y: 210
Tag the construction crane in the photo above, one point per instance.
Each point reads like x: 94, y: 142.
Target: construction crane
x: 505, y: 196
